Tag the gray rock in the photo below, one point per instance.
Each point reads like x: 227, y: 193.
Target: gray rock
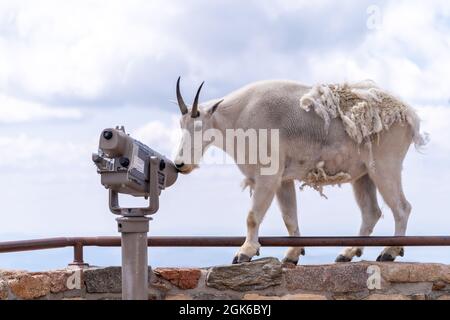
x: 412, y: 288
x: 106, y: 280
x: 3, y: 290
x: 215, y: 296
x: 415, y: 272
x: 103, y: 280
x: 256, y: 275
x: 344, y: 277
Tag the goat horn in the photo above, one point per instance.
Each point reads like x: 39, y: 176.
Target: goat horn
x: 181, y: 104
x: 194, y: 112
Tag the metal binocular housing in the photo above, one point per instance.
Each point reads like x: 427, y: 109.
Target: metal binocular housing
x: 130, y: 167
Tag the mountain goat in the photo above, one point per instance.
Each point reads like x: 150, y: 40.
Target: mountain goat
x: 327, y: 135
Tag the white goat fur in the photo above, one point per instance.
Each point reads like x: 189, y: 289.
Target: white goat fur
x: 357, y: 134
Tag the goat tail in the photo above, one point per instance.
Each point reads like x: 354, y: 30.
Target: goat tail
x: 420, y: 139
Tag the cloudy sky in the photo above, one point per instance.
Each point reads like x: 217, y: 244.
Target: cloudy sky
x: 70, y: 68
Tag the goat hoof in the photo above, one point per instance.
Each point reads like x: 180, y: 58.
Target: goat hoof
x: 342, y: 258
x: 240, y: 258
x: 243, y: 258
x: 385, y: 257
x: 302, y: 252
x: 289, y: 261
x: 358, y: 253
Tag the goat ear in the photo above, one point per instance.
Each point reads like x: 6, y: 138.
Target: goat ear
x: 214, y: 107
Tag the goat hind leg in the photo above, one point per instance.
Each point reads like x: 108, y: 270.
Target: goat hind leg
x: 366, y: 197
x: 389, y: 184
x: 288, y: 205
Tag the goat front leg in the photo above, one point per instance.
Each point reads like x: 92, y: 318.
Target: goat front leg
x: 264, y: 192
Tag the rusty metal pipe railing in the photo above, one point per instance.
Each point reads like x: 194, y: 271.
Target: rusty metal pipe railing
x: 78, y: 243
x: 300, y: 241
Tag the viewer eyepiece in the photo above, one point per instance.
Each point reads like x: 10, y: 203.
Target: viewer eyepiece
x: 107, y: 134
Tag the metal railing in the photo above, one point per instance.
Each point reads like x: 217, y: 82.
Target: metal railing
x: 78, y: 243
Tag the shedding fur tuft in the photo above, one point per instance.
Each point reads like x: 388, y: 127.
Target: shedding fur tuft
x: 365, y: 110
x: 318, y: 178
x: 250, y: 183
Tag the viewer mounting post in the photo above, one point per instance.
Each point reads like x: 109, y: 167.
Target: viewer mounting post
x: 127, y: 166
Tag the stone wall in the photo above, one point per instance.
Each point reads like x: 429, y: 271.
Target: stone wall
x: 261, y: 279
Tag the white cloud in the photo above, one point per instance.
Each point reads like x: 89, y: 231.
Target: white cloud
x: 134, y: 50
x: 23, y: 152
x: 435, y: 121
x: 408, y: 54
x: 13, y: 110
x: 78, y: 49
x: 277, y: 8
x: 163, y: 137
